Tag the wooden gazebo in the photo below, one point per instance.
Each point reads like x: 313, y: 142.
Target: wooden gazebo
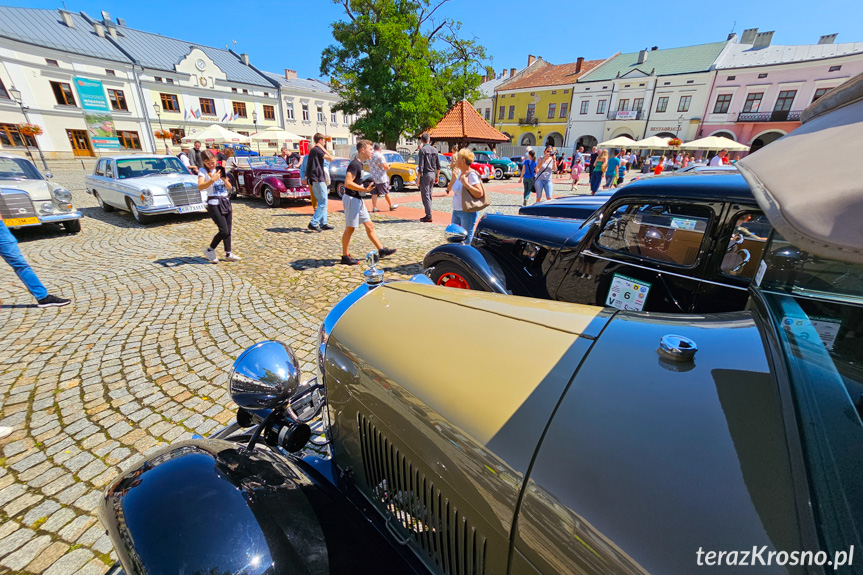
x: 463, y: 125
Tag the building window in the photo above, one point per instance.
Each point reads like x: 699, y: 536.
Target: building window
x: 683, y: 104
x: 585, y: 104
x: 662, y: 104
x: 532, y: 94
x: 266, y: 94
x: 245, y: 91
x: 501, y: 112
x: 531, y: 111
x: 169, y: 80
x: 564, y: 109
x: 834, y: 68
x: 723, y: 101
x: 690, y: 81
x: 764, y: 75
x: 511, y: 112
x: 177, y: 135
x: 753, y: 102
x: 170, y: 103
x: 239, y: 109
x: 600, y: 106
x: 320, y: 113
x: 818, y: 93
x: 157, y: 78
x: 566, y: 91
x: 129, y: 140
x: 554, y: 92
x: 622, y: 105
x: 487, y: 114
x: 730, y: 78
x: 270, y: 113
x: 234, y: 90
x: 118, y: 100
x: 208, y: 106
x: 333, y: 119
x: 51, y: 62
x: 63, y: 93
x: 552, y: 108
x: 666, y: 83
x: 305, y: 112
x: 10, y: 136
x: 3, y: 93
x: 638, y: 104
x: 289, y: 111
x: 784, y: 101
x: 241, y: 132
x: 110, y: 73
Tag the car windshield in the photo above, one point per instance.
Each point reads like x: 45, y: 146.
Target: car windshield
x: 18, y: 169
x: 393, y: 158
x: 444, y: 161
x: 817, y: 307
x: 339, y: 164
x: 141, y: 167
x: 267, y: 162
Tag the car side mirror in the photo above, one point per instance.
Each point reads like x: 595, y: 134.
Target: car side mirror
x: 265, y: 376
x: 456, y: 234
x: 49, y: 175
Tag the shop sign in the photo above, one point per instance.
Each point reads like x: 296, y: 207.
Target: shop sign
x: 627, y: 115
x: 671, y: 129
x: 97, y: 113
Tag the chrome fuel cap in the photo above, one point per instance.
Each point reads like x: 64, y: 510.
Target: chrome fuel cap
x: 677, y: 347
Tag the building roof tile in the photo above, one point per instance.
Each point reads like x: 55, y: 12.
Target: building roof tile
x: 463, y: 123
x: 745, y: 56
x: 667, y: 62
x: 550, y: 75
x: 307, y: 85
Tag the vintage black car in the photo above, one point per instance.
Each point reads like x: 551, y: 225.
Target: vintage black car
x: 686, y: 244
x: 555, y: 438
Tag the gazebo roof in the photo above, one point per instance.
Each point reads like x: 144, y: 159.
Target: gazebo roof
x: 464, y: 124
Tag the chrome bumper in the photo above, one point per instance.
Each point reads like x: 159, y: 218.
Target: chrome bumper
x: 155, y: 210
x: 53, y: 219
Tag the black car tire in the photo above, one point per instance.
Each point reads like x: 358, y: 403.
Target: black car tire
x: 397, y: 184
x: 139, y: 217
x: 443, y: 181
x: 340, y: 190
x: 105, y: 207
x: 234, y: 189
x: 72, y: 226
x: 498, y: 174
x: 453, y: 275
x: 270, y: 197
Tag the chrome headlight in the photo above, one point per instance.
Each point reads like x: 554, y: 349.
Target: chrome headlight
x: 62, y: 195
x: 146, y: 197
x: 46, y: 207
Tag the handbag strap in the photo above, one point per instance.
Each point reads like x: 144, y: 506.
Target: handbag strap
x: 481, y: 187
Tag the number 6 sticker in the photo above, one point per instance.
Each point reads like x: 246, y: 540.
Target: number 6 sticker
x: 627, y: 293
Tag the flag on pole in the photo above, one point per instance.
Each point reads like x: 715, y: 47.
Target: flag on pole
x: 225, y: 117
x: 192, y: 112
x: 185, y: 114
x: 198, y: 113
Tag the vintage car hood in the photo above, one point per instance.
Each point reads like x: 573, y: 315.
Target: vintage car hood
x: 160, y: 182
x: 571, y: 207
x: 402, y: 166
x: 648, y: 459
x: 548, y: 232
x: 469, y: 429
x: 38, y: 190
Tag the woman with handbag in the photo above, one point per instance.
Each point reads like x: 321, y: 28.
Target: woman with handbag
x: 468, y: 193
x: 213, y: 179
x: 545, y: 169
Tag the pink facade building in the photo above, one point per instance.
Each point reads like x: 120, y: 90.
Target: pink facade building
x: 760, y: 90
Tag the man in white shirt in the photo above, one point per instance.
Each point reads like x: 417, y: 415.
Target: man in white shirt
x: 717, y: 159
x: 378, y: 167
x: 184, y: 158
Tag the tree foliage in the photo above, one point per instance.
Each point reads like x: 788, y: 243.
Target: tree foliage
x: 398, y: 67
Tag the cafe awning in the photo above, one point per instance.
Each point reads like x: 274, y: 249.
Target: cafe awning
x: 464, y: 124
x: 714, y: 143
x: 651, y: 143
x: 216, y: 134
x: 618, y: 142
x: 275, y: 134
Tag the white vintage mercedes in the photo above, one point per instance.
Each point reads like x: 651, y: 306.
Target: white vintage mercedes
x: 29, y: 199
x: 145, y: 186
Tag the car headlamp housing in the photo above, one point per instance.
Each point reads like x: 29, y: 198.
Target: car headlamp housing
x: 46, y: 207
x: 62, y: 195
x: 146, y: 197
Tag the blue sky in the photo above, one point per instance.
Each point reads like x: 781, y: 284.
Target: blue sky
x: 291, y: 33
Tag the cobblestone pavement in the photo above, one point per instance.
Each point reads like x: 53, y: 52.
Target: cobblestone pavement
x: 141, y: 357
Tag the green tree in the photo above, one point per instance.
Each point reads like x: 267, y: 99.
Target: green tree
x: 398, y: 67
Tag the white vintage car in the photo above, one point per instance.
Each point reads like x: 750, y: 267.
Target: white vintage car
x: 145, y: 186
x: 28, y: 199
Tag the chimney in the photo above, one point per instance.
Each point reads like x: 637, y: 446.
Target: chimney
x: 763, y: 39
x: 578, y: 64
x: 121, y: 21
x: 748, y: 36
x: 511, y: 72
x: 732, y: 36
x: 530, y: 59
x: 245, y: 59
x: 290, y: 74
x: 66, y: 16
x: 654, y: 49
x: 828, y: 39
x: 642, y: 56
x: 99, y: 29
x: 105, y: 17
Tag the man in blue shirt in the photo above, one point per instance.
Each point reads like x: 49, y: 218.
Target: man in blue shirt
x: 611, y: 168
x: 527, y: 174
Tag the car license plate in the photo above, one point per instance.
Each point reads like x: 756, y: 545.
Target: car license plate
x: 21, y: 221
x: 192, y: 208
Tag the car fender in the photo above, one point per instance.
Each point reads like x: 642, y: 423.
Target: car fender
x: 213, y: 506
x: 484, y: 266
x: 273, y: 182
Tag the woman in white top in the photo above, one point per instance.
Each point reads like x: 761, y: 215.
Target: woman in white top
x: 212, y: 178
x: 468, y: 181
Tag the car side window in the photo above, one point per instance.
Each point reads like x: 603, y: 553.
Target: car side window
x: 100, y: 168
x: 668, y: 233
x: 745, y: 244
x: 109, y: 168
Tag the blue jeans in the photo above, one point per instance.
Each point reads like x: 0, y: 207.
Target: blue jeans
x: 467, y: 220
x: 543, y: 185
x: 608, y: 179
x: 10, y: 252
x: 319, y: 218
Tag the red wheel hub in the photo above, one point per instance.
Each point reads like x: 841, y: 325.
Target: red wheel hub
x: 453, y: 280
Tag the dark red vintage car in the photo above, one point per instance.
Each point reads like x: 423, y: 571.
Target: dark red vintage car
x: 267, y: 177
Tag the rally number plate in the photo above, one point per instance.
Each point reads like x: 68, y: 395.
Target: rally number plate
x: 192, y: 208
x: 21, y: 221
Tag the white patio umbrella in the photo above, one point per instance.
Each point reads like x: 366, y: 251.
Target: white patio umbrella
x: 275, y: 134
x: 216, y: 134
x: 618, y: 142
x: 651, y: 143
x: 714, y: 143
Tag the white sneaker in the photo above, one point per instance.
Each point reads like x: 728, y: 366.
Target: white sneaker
x: 210, y: 254
x: 232, y: 257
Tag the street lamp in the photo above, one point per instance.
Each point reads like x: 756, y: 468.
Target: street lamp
x: 16, y: 95
x: 255, y: 122
x: 158, y: 109
x: 679, y: 123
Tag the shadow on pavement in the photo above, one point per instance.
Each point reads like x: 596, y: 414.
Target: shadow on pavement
x: 308, y: 264
x: 122, y: 219
x: 45, y: 231
x: 405, y: 269
x: 176, y: 262
x: 289, y: 230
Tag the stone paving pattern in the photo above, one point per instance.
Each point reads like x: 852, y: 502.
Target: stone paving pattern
x: 141, y: 357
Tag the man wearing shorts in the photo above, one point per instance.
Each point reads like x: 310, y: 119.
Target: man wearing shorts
x: 355, y: 208
x: 378, y: 168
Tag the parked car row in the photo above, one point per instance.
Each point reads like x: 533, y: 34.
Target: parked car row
x: 29, y: 198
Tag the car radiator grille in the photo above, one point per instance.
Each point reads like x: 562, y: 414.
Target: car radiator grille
x: 425, y: 515
x: 16, y: 205
x: 184, y: 194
